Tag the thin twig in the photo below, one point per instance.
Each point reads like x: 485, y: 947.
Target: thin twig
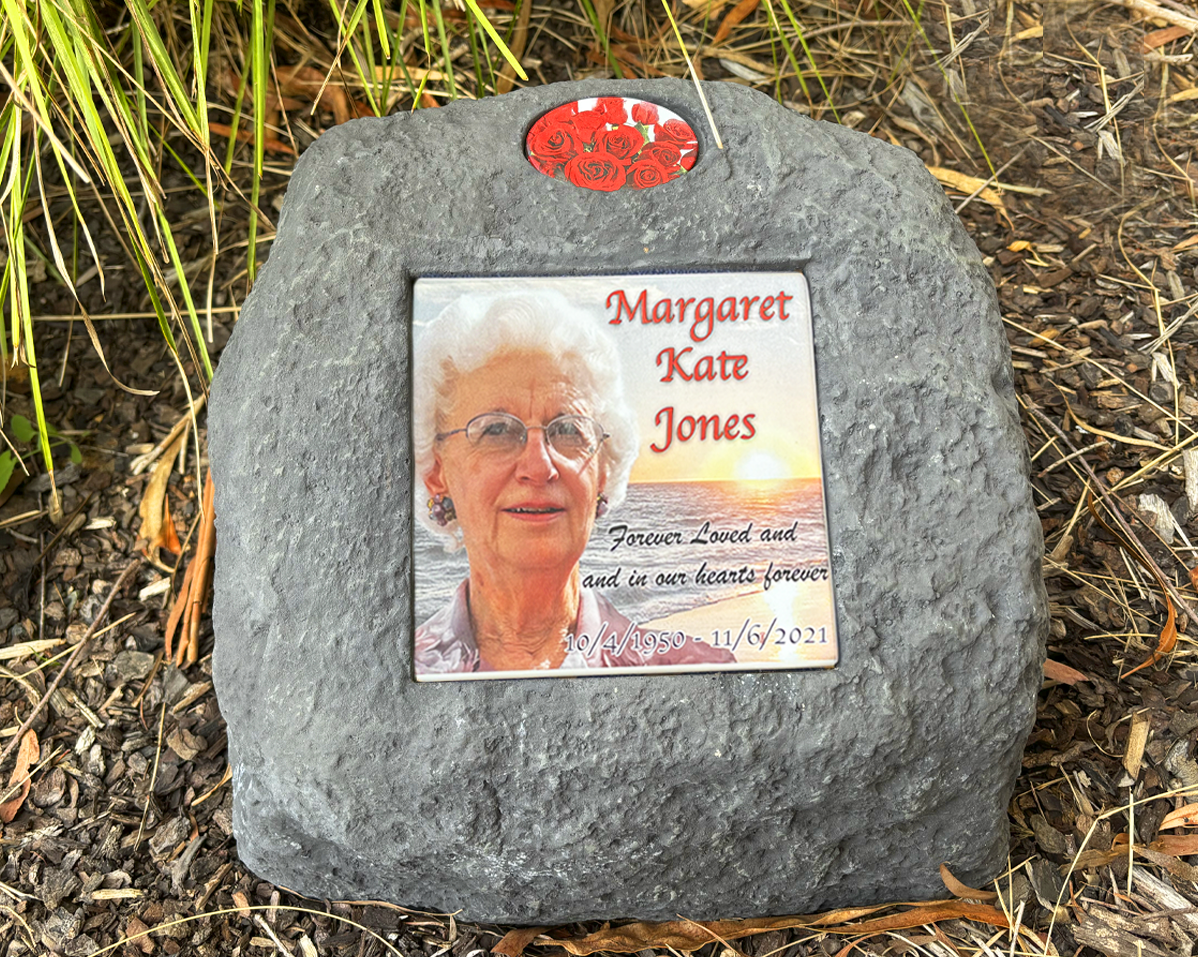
x: 62, y: 672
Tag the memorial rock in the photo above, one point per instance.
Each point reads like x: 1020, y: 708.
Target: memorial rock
x: 707, y: 795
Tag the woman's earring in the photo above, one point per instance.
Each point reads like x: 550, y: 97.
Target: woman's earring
x: 440, y: 510
x: 601, y: 506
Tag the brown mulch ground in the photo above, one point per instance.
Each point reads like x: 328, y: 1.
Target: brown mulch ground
x: 126, y: 826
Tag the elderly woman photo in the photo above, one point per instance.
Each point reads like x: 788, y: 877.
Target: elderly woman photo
x: 522, y: 439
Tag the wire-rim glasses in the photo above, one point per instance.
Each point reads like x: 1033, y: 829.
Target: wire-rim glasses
x: 570, y: 436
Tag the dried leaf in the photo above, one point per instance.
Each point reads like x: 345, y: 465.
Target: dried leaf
x: 1137, y: 739
x: 27, y: 757
x: 1190, y: 94
x: 1056, y: 671
x: 1186, y: 243
x: 734, y: 16
x: 687, y: 935
x: 957, y: 889
x: 1158, y: 38
x: 1183, y: 817
x: 968, y: 184
x: 514, y: 941
x: 1019, y: 246
x: 1179, y: 845
x: 153, y: 508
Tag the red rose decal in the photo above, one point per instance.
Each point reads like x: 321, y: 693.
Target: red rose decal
x: 603, y: 144
x: 675, y: 131
x: 554, y: 143
x: 547, y: 167
x: 644, y: 113
x: 587, y: 123
x: 646, y: 173
x: 666, y: 155
x: 611, y: 108
x: 623, y: 142
x: 596, y: 170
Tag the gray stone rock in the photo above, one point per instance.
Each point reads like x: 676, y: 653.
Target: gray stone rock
x: 707, y: 795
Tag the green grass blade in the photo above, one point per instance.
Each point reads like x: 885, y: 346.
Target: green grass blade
x: 258, y: 66
x: 949, y: 86
x: 163, y: 65
x: 776, y: 27
x: 201, y: 37
x: 22, y: 319
x: 498, y: 41
x: 453, y: 92
x: 428, y: 44
x: 192, y: 315
x: 810, y: 58
x: 601, y: 33
x: 381, y: 25
x: 235, y: 121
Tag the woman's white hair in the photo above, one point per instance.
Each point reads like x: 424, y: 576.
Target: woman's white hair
x: 473, y: 329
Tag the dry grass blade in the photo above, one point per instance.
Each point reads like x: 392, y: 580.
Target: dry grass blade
x: 1167, y: 640
x: 1158, y: 12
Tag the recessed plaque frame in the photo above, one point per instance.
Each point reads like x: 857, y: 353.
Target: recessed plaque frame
x: 706, y: 547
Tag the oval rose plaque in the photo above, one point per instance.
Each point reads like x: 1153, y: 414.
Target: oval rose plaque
x: 612, y: 143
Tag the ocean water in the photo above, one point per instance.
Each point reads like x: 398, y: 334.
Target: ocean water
x: 639, y: 552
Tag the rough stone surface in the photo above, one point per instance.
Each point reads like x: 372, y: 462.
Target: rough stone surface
x: 707, y: 795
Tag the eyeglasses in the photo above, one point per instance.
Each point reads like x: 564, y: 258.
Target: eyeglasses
x: 570, y: 436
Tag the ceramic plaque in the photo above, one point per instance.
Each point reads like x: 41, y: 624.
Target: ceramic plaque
x: 617, y: 474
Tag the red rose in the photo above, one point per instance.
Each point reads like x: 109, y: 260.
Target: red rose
x: 596, y: 170
x: 587, y: 123
x: 665, y: 154
x: 611, y: 108
x: 677, y: 132
x: 689, y: 160
x: 644, y: 113
x: 622, y: 142
x: 556, y: 117
x: 646, y: 173
x: 548, y: 167
x: 553, y: 143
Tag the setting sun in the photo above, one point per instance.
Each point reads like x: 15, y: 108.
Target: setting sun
x: 760, y: 465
